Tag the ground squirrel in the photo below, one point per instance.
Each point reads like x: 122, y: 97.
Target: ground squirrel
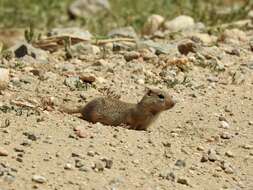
x: 110, y: 111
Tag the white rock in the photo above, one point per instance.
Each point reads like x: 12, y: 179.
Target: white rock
x: 226, y: 135
x: 212, y: 155
x: 247, y: 146
x: 179, y: 23
x: 101, y: 80
x: 204, y: 38
x: 99, y: 165
x: 3, y: 152
x: 225, y: 125
x: 109, y: 46
x: 233, y: 36
x: 39, y: 179
x: 140, y: 81
x: 95, y: 49
x: 250, y: 14
x: 74, y: 32
x: 200, y: 148
x: 227, y: 167
x: 4, y: 78
x: 229, y: 154
x: 28, y: 53
x: 127, y: 32
x: 152, y: 24
x: 81, y: 48
x: 68, y: 166
x: 86, y: 8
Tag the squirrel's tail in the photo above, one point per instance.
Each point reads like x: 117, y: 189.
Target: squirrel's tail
x: 70, y: 110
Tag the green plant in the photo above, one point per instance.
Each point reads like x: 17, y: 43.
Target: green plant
x: 19, y: 65
x: 29, y: 34
x: 6, y: 54
x: 68, y: 52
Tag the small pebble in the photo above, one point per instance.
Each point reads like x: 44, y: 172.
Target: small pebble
x: 171, y: 176
x: 180, y: 163
x: 72, y: 82
x: 99, y: 166
x: 68, y: 166
x: 79, y: 163
x: 247, y: 146
x: 227, y: 109
x: 225, y: 125
x: 91, y: 153
x: 200, y: 148
x: 87, y: 79
x: 166, y: 144
x: 108, y: 162
x: 75, y: 154
x: 229, y: 154
x: 30, y: 136
x: 229, y: 170
x: 9, y: 178
x: 187, y: 47
x: 19, y: 159
x: 212, y: 155
x: 222, y: 118
x: 167, y: 174
x: 84, y: 169
x: 227, y: 167
x: 3, y: 152
x: 131, y: 55
x: 225, y: 135
x: 136, y: 162
x: 18, y: 149
x: 183, y: 181
x: 80, y: 132
x: 235, y: 52
x: 204, y: 158
x: 39, y: 179
x: 141, y: 81
x: 4, y: 78
x: 212, y: 79
x: 26, y: 142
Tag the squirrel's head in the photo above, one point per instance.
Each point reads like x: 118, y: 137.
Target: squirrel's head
x: 156, y: 101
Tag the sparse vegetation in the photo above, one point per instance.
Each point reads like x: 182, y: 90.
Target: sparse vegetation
x: 30, y: 35
x: 48, y: 13
x: 67, y: 44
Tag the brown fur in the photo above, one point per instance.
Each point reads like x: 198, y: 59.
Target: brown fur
x: 114, y: 112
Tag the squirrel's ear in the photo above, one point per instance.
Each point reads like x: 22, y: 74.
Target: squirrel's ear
x: 148, y: 91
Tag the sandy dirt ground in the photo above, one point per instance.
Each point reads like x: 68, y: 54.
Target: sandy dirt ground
x: 205, y: 142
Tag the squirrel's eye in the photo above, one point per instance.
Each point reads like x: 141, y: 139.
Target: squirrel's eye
x: 161, y: 96
x: 149, y: 93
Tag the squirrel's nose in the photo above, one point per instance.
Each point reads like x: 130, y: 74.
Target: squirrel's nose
x: 171, y: 103
x: 174, y: 100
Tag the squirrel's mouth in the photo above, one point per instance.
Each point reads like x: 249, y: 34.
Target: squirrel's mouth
x: 171, y: 104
